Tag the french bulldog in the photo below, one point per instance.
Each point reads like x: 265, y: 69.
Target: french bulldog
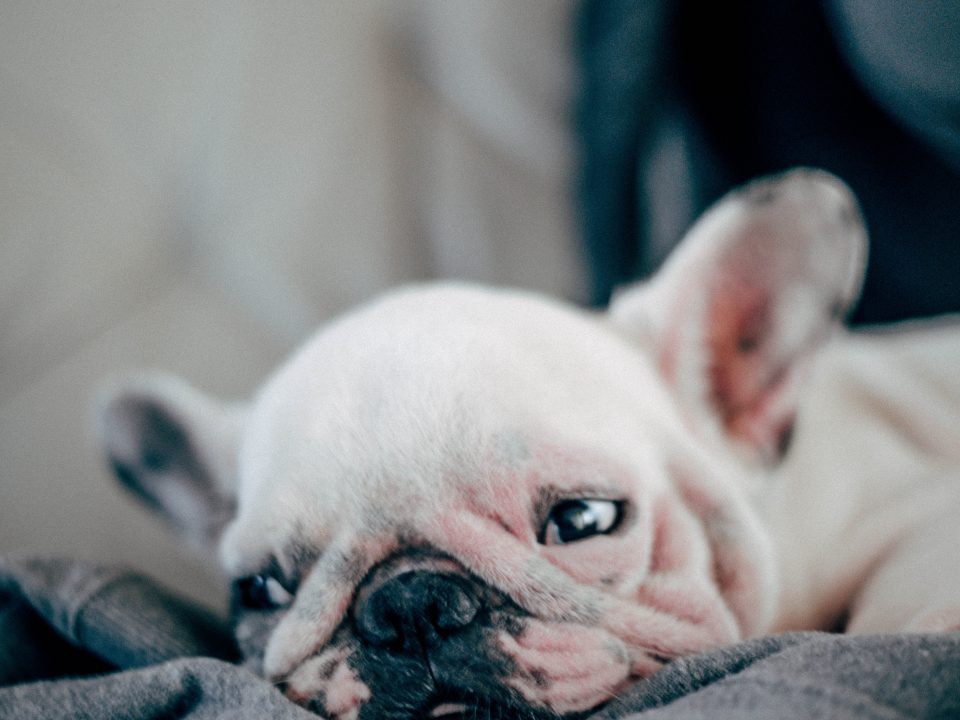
x: 460, y: 501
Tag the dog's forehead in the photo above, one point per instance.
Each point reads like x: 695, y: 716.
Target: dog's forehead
x: 429, y: 391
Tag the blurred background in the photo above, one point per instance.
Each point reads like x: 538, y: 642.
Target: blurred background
x: 195, y: 186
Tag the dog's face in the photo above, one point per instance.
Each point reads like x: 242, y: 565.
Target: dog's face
x: 460, y: 500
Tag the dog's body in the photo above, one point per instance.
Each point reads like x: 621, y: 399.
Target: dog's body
x: 460, y: 498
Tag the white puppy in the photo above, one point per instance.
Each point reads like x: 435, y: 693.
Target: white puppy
x: 460, y: 500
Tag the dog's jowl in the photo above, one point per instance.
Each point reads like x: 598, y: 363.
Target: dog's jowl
x: 468, y: 502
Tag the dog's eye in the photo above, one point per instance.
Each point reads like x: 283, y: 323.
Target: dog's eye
x: 573, y: 520
x: 261, y: 592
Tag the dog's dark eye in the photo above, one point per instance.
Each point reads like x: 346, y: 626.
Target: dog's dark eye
x: 261, y: 592
x: 573, y: 520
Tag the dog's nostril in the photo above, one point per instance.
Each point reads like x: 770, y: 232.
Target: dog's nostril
x: 379, y: 622
x: 416, y: 609
x: 453, y: 611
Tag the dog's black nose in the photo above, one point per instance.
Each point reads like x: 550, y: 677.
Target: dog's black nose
x: 416, y: 610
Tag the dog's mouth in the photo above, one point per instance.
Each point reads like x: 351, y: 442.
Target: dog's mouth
x: 452, y: 706
x: 460, y: 706
x: 450, y: 711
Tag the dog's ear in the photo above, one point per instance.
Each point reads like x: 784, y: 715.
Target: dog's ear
x: 738, y: 310
x: 175, y: 449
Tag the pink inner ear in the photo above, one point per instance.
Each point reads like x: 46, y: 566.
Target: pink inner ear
x: 737, y: 326
x: 747, y: 380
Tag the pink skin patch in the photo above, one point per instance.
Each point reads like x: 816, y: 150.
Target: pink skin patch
x: 661, y: 635
x: 345, y: 694
x: 568, y: 668
x: 328, y: 674
x: 691, y: 599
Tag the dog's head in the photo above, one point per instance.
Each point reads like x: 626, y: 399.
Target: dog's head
x: 458, y: 499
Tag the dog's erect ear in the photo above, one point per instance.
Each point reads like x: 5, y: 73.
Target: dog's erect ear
x: 738, y: 310
x: 175, y: 449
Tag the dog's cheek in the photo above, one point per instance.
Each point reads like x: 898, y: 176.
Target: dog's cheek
x: 613, y: 564
x: 566, y: 668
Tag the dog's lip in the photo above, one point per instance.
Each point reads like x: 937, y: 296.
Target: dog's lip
x: 453, y: 705
x: 448, y: 710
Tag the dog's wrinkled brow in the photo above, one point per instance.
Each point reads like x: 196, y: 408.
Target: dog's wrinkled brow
x: 294, y: 562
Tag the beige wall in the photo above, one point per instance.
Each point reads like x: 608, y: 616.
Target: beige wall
x: 195, y: 185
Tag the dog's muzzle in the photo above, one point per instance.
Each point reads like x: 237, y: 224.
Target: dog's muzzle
x: 426, y: 648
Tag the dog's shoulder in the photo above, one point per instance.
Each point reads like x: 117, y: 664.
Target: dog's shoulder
x: 904, y: 374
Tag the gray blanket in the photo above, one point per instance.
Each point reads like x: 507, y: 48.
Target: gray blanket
x: 82, y: 641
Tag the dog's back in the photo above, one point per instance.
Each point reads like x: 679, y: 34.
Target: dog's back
x: 873, y: 475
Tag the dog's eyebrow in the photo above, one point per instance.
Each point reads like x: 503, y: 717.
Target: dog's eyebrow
x: 294, y: 563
